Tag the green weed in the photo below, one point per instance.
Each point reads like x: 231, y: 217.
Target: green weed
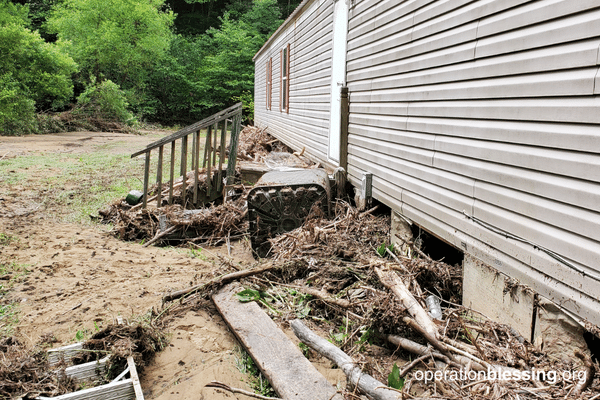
x: 255, y: 380
x: 6, y: 239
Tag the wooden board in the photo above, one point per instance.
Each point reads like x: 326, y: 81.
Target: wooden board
x: 289, y: 372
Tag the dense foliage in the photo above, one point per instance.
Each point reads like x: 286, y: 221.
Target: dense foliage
x: 161, y: 61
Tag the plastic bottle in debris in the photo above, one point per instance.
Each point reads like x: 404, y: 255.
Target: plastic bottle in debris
x: 434, y: 307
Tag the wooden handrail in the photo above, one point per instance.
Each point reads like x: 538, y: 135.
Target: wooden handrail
x: 205, y: 123
x: 213, y: 148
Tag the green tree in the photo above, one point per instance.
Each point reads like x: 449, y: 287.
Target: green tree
x: 13, y: 14
x: 33, y: 73
x: 228, y: 69
x: 120, y: 40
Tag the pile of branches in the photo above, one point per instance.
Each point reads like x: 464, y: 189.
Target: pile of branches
x: 341, y: 278
x: 140, y: 341
x: 25, y: 373
x: 350, y: 235
x: 173, y: 224
x: 255, y: 144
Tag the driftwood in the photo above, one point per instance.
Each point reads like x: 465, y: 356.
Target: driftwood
x: 393, y: 282
x: 590, y: 371
x: 279, y: 359
x: 441, y: 347
x: 419, y: 349
x: 218, y: 281
x: 160, y: 234
x: 366, y: 384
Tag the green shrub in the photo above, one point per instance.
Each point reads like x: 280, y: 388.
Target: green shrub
x: 105, y: 101
x: 17, y: 111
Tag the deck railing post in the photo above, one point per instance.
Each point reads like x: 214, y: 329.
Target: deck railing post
x: 146, y: 178
x: 222, y: 155
x: 172, y: 172
x: 208, y: 160
x: 184, y: 151
x: 196, y: 151
x: 235, y: 132
x: 159, y: 173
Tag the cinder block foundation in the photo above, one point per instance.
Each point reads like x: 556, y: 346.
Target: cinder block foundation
x: 497, y: 297
x: 537, y: 319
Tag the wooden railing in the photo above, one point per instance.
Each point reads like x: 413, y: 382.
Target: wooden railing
x: 215, y: 145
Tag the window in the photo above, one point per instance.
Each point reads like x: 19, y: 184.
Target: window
x: 269, y: 82
x: 284, y: 99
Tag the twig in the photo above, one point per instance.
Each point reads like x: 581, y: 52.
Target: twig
x: 410, y: 365
x: 219, y: 280
x: 221, y: 385
x: 160, y: 234
x: 393, y: 282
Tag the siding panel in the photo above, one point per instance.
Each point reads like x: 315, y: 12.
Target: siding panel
x: 506, y: 93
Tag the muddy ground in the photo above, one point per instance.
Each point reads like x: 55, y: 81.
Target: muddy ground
x: 81, y: 278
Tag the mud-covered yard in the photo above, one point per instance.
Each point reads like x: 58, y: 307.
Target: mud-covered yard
x: 71, y: 279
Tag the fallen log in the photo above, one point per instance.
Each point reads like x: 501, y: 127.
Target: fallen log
x: 220, y: 280
x: 393, y: 282
x: 279, y: 359
x: 366, y: 384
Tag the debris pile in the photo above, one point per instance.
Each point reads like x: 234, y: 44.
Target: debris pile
x: 255, y: 144
x: 27, y: 373
x: 342, y: 279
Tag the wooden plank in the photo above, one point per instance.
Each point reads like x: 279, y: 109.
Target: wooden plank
x: 488, y: 292
x: 184, y: 151
x: 289, y: 372
x: 146, y: 179
x: 208, y: 159
x: 90, y: 371
x: 159, y: 173
x: 214, y: 146
x: 172, y: 172
x: 135, y: 380
x: 195, y: 140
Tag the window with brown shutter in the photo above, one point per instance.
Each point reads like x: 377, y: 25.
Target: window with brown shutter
x: 269, y: 83
x: 284, y: 98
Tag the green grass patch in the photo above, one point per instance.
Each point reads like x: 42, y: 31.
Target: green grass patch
x: 10, y: 274
x: 255, y: 378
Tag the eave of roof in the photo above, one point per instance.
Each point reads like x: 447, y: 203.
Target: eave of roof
x: 285, y: 24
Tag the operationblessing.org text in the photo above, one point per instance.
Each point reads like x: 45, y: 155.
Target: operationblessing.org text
x: 550, y: 377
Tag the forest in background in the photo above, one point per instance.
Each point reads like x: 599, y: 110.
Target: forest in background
x: 125, y: 61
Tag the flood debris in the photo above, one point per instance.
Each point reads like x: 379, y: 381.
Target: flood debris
x: 338, y: 272
x: 27, y: 373
x: 341, y: 277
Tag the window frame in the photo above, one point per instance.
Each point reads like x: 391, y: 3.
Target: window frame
x: 269, y: 84
x: 284, y: 79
